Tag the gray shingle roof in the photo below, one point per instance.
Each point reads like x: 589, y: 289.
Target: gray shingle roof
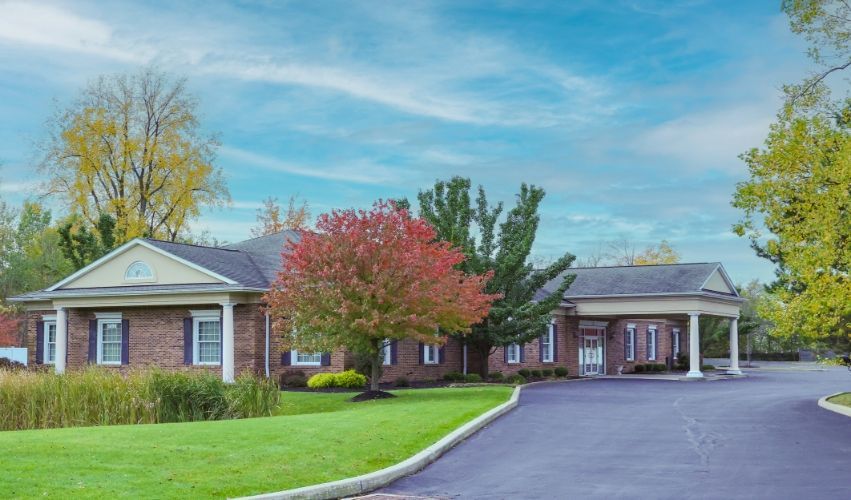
x: 634, y: 280
x: 233, y: 264
x: 265, y: 251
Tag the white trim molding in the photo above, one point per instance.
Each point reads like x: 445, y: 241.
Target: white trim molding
x: 127, y: 246
x: 107, y: 315
x: 586, y: 322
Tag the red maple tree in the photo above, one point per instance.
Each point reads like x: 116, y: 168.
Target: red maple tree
x: 367, y: 276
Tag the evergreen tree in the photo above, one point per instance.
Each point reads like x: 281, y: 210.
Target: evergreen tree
x: 518, y: 316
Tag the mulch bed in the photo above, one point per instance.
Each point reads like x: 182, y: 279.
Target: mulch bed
x: 370, y: 395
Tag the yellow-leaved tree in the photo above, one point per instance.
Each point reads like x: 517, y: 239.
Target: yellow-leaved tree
x: 131, y: 147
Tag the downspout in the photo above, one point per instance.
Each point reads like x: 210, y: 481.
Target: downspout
x: 267, y: 345
x: 465, y: 358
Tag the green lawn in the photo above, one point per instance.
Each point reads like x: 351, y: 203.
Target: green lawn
x: 316, y: 438
x: 842, y: 399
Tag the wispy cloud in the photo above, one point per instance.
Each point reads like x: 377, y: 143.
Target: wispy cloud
x: 361, y: 172
x: 51, y: 27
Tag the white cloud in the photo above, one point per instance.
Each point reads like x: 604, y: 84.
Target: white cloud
x: 707, y: 140
x: 21, y: 187
x: 359, y: 171
x: 51, y: 27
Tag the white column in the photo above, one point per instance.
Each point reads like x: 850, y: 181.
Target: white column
x: 734, y: 347
x: 61, y: 339
x: 694, y: 346
x: 227, y: 342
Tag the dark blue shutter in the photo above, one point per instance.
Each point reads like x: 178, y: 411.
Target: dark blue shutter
x: 39, y: 342
x: 326, y: 359
x: 647, y: 345
x: 421, y: 349
x: 67, y: 340
x: 541, y: 346
x: 125, y: 342
x: 93, y: 342
x: 505, y: 354
x: 221, y: 339
x: 441, y: 354
x: 656, y: 345
x: 522, y: 353
x: 187, y: 341
x: 625, y: 344
x: 286, y: 358
x: 555, y: 342
x: 394, y: 352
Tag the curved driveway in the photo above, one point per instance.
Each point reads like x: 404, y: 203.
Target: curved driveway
x: 758, y: 437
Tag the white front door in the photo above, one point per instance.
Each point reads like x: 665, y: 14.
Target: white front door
x: 591, y: 356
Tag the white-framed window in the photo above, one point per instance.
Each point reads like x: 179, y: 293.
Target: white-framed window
x: 512, y: 353
x: 651, y: 343
x: 109, y: 341
x: 207, y: 337
x: 49, y: 354
x: 431, y: 354
x: 139, y: 271
x: 387, y: 352
x: 676, y: 341
x: 629, y: 343
x: 548, y: 344
x: 306, y: 358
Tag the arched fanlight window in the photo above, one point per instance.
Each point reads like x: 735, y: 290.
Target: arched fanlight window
x: 139, y: 271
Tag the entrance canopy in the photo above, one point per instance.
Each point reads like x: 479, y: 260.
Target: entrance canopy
x: 668, y: 291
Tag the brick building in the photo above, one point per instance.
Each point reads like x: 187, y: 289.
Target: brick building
x: 182, y: 306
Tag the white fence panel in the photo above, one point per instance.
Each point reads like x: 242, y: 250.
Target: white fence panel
x: 18, y: 354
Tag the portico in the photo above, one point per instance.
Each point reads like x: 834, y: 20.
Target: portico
x: 667, y: 295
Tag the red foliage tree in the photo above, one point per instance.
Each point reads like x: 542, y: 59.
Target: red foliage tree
x: 368, y: 276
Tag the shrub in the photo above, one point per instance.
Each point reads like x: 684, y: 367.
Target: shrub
x: 547, y: 372
x: 8, y: 364
x: 638, y: 369
x: 402, y: 382
x: 349, y: 379
x: 515, y: 379
x: 707, y: 367
x: 560, y: 371
x: 96, y: 396
x: 536, y: 373
x: 473, y: 378
x: 293, y: 379
x: 496, y: 376
x: 523, y: 372
x: 322, y: 381
x: 453, y: 377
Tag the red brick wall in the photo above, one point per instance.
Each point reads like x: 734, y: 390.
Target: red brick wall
x: 156, y: 336
x: 569, y: 340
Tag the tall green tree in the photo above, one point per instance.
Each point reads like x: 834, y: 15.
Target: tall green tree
x: 81, y: 243
x: 32, y: 258
x: 502, y: 248
x: 799, y: 191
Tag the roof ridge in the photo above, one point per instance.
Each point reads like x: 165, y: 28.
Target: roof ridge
x: 206, y: 247
x: 263, y: 236
x: 643, y: 265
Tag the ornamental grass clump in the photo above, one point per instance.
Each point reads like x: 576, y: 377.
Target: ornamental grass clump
x: 98, y: 396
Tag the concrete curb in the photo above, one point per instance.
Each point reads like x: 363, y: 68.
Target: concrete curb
x: 827, y: 405
x: 374, y: 480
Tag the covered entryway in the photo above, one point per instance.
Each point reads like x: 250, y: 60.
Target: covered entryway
x: 592, y: 354
x: 681, y: 293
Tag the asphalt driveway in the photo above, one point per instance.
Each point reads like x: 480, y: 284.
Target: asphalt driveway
x: 757, y: 437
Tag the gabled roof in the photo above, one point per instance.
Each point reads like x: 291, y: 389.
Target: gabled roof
x: 248, y: 265
x: 663, y: 279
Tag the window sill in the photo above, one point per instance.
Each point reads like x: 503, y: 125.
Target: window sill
x: 306, y: 364
x: 207, y: 364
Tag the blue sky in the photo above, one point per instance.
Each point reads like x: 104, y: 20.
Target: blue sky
x: 630, y: 113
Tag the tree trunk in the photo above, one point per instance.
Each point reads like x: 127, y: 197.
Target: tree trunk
x: 375, y: 371
x: 484, y: 355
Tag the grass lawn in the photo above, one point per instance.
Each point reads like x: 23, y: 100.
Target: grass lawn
x: 315, y: 438
x: 842, y: 399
